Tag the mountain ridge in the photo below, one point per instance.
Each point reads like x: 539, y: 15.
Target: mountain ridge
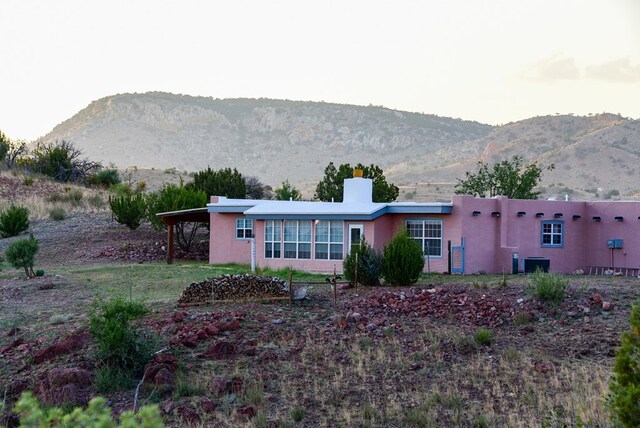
x: 281, y: 139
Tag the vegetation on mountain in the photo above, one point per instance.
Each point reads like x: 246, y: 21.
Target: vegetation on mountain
x: 13, y: 221
x: 60, y: 161
x: 510, y: 178
x: 331, y: 187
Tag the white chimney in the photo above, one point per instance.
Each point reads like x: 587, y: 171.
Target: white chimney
x: 358, y: 190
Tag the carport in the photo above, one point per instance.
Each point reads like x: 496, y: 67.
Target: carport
x: 171, y: 218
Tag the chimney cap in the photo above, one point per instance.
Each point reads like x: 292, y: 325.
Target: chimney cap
x: 358, y: 173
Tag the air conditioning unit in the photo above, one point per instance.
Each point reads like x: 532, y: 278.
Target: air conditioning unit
x: 614, y: 243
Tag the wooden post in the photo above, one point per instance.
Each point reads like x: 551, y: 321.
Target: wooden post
x: 356, y: 273
x: 290, y: 286
x: 170, y: 243
x: 335, y: 288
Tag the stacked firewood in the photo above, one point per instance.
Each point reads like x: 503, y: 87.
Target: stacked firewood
x: 235, y: 287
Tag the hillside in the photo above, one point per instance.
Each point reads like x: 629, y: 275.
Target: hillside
x: 272, y: 139
x: 279, y: 139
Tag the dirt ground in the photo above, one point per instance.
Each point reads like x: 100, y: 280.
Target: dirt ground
x: 377, y: 357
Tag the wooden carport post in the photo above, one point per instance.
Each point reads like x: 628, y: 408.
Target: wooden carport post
x: 170, y: 232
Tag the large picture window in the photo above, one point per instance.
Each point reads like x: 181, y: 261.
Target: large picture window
x: 244, y: 228
x: 297, y: 239
x: 552, y: 233
x: 329, y: 242
x: 272, y: 239
x: 428, y: 233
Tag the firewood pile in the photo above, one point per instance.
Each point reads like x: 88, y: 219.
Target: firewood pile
x: 235, y: 287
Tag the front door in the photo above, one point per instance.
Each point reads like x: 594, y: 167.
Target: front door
x: 356, y: 233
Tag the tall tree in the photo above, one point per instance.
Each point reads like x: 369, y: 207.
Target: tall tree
x: 287, y: 192
x: 257, y: 189
x: 224, y: 182
x: 510, y: 178
x: 331, y: 187
x: 5, y: 145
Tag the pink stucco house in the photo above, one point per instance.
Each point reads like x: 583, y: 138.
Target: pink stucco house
x: 467, y: 235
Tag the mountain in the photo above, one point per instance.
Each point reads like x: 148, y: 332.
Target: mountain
x: 271, y: 139
x: 595, y: 156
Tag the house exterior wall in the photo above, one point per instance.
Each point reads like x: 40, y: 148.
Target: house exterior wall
x: 223, y: 245
x: 491, y: 241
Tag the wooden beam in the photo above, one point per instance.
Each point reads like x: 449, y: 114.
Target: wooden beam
x: 170, y: 228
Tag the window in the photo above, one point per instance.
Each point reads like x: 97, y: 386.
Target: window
x: 272, y: 237
x: 552, y: 233
x: 244, y: 228
x: 297, y: 239
x: 428, y: 233
x: 329, y: 240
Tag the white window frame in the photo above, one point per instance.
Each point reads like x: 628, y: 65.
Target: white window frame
x: 273, y: 240
x: 299, y: 243
x: 242, y: 231
x: 423, y: 234
x: 331, y: 241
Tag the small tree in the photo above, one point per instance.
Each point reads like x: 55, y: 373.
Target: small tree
x: 403, y: 260
x: 510, y: 178
x: 369, y: 264
x: 105, y: 178
x: 624, y: 397
x: 287, y: 192
x: 61, y: 161
x: 174, y: 198
x: 17, y: 149
x: 128, y: 209
x: 21, y: 254
x: 13, y: 221
x: 224, y: 182
x: 331, y: 187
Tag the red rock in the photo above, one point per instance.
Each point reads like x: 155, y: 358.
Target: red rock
x: 62, y: 376
x: 13, y: 331
x: 190, y: 341
x: 251, y: 352
x: 607, y: 306
x: 596, y: 298
x: 211, y: 329
x: 268, y: 355
x: 164, y: 378
x: 208, y: 406
x: 342, y: 323
x: 166, y: 359
x: 246, y: 412
x: 189, y: 415
x: 230, y: 326
x: 70, y: 394
x: 221, y: 350
x: 544, y: 367
x: 73, y: 342
x: 178, y: 316
x: 219, y: 385
x: 202, y: 334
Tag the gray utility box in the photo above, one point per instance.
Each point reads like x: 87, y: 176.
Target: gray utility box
x: 531, y: 264
x: 614, y: 243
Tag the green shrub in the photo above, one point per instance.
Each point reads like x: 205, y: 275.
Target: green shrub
x: 109, y: 378
x: 119, y: 344
x: 105, y: 178
x: 74, y: 197
x: 60, y: 161
x: 13, y: 221
x: 483, y: 336
x: 96, y: 200
x: 465, y: 344
x: 40, y: 272
x: 27, y: 181
x: 21, y: 254
x: 173, y: 198
x: 624, y: 388
x: 403, y: 260
x: 57, y: 213
x: 128, y: 209
x: 96, y: 414
x: 369, y: 264
x: 549, y: 287
x: 297, y: 414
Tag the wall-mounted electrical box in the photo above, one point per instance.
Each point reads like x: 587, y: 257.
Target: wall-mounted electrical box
x: 614, y: 243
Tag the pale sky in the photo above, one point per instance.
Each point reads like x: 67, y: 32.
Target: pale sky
x: 493, y: 61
